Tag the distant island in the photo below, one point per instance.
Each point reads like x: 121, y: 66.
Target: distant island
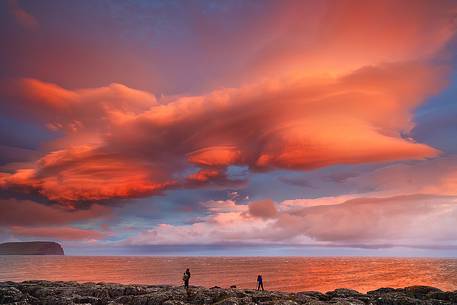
x: 31, y: 248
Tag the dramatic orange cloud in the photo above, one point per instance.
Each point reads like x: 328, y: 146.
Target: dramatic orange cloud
x: 204, y: 175
x: 360, y: 117
x: 215, y: 156
x: 356, y: 118
x: 321, y: 91
x: 83, y: 174
x: 337, y: 36
x: 75, y: 110
x: 162, y: 98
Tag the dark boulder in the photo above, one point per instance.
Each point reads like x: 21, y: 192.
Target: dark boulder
x: 419, y: 292
x: 343, y: 293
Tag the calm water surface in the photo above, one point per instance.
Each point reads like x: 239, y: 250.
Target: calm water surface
x: 280, y: 273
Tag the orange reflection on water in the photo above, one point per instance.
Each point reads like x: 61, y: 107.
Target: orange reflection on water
x: 279, y: 273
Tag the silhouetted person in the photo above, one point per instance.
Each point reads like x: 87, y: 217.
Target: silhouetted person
x: 186, y: 278
x: 259, y: 282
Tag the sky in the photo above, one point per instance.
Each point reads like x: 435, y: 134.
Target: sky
x: 230, y: 127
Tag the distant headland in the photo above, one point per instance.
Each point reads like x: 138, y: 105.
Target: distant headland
x: 31, y: 248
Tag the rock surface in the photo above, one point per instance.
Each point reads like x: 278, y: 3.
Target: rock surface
x: 31, y: 248
x: 72, y: 293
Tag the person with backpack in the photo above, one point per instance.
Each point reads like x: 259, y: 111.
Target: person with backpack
x: 259, y: 282
x: 186, y: 278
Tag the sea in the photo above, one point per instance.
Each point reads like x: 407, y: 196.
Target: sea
x: 279, y: 273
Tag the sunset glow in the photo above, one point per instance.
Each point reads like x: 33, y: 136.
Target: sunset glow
x: 328, y: 125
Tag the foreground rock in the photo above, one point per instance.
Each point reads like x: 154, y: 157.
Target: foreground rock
x: 31, y: 248
x: 72, y: 293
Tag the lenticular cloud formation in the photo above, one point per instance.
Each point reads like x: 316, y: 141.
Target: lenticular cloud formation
x: 295, y: 122
x: 139, y: 146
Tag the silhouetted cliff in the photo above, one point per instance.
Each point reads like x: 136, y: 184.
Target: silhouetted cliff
x: 31, y: 248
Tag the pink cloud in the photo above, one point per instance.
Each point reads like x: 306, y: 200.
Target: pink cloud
x: 365, y: 222
x: 436, y: 177
x: 263, y: 209
x: 400, y: 220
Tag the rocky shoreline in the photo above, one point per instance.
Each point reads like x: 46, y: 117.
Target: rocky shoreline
x: 72, y: 293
